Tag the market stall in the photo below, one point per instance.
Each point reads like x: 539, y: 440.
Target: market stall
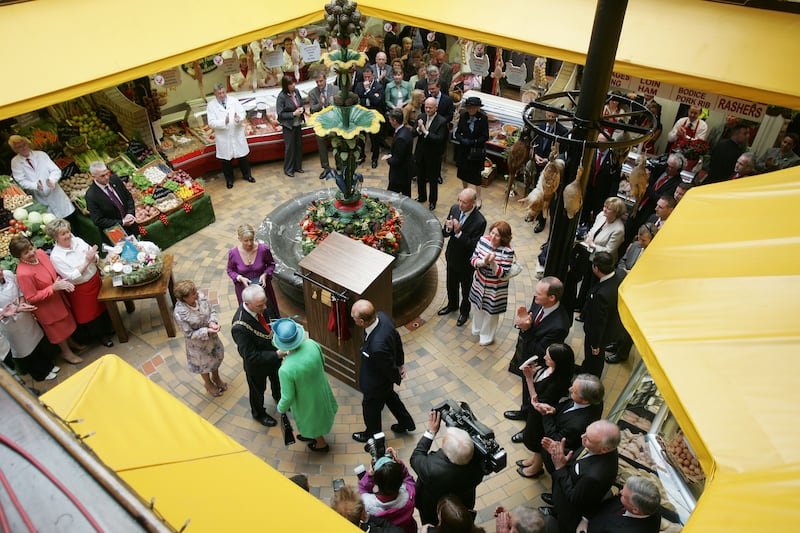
x: 712, y: 308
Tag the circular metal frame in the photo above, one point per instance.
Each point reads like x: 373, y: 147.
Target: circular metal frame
x: 640, y: 133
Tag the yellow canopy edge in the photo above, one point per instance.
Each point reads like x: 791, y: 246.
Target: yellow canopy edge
x: 165, y: 451
x: 713, y: 307
x: 59, y: 50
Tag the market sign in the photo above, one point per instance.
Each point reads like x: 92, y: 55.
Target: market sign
x: 171, y: 77
x: 745, y: 109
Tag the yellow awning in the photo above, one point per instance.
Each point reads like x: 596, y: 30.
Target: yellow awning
x: 167, y: 452
x: 713, y: 307
x: 58, y: 50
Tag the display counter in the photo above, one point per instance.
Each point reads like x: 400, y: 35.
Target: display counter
x: 505, y: 121
x: 188, y: 140
x: 654, y: 446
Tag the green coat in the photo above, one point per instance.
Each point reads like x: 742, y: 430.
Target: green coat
x: 305, y: 390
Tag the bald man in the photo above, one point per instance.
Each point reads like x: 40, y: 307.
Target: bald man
x: 431, y: 133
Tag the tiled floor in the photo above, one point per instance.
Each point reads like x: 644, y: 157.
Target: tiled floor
x: 443, y: 361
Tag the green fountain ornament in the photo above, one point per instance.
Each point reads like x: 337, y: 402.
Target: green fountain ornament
x: 345, y: 122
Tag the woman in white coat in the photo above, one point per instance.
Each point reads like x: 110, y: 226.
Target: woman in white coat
x: 226, y: 115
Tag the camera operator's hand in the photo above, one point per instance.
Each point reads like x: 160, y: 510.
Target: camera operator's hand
x: 393, y: 454
x: 434, y: 421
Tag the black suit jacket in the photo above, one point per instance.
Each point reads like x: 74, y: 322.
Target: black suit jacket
x: 543, y: 144
x: 428, y: 153
x: 601, y: 322
x: 608, y: 519
x: 570, y: 425
x: 577, y: 494
x: 437, y: 477
x: 103, y: 212
x: 381, y: 357
x: 445, y: 108
x: 372, y: 97
x: 401, y: 162
x: 253, y: 341
x: 723, y: 160
x: 460, y: 249
x: 389, y: 39
x: 284, y: 107
x: 535, y: 340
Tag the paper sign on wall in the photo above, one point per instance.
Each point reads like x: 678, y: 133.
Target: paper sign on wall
x: 230, y: 66
x: 516, y: 75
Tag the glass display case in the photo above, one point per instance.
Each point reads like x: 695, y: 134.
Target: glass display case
x: 653, y: 446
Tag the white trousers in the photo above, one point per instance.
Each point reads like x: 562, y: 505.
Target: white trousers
x: 484, y: 324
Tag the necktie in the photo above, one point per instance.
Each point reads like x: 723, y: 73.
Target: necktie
x: 661, y: 181
x: 658, y: 223
x: 113, y: 197
x: 539, y: 317
x: 462, y: 218
x: 263, y: 322
x: 30, y: 163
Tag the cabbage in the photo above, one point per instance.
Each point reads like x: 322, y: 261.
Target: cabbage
x: 20, y: 213
x: 34, y: 217
x: 48, y: 218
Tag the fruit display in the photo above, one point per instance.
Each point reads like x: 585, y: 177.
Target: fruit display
x: 98, y: 134
x: 168, y: 203
x: 155, y: 174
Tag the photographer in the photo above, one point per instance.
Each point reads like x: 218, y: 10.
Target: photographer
x: 394, y: 500
x: 449, y: 470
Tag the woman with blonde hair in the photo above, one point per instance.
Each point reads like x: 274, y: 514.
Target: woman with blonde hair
x: 198, y: 322
x: 251, y: 262
x: 413, y: 108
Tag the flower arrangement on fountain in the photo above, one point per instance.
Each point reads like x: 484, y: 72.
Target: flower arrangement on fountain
x: 138, y: 262
x: 346, y: 123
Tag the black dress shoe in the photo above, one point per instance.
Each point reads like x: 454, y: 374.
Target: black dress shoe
x: 290, y: 174
x: 398, y: 428
x: 517, y: 438
x: 547, y: 511
x: 323, y: 173
x: 300, y: 171
x: 440, y: 180
x: 515, y: 415
x: 420, y: 200
x: 547, y: 497
x: 539, y: 226
x: 265, y: 420
x: 374, y: 164
x: 361, y: 436
x: 250, y: 179
x: 108, y: 342
x: 305, y: 439
x: 579, y: 318
x: 313, y: 447
x: 462, y: 319
x: 521, y: 463
x: 521, y: 472
x: 446, y: 310
x: 229, y: 185
x: 614, y: 358
x: 612, y: 347
x: 432, y: 207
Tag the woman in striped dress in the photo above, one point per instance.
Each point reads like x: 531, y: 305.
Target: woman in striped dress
x: 492, y: 261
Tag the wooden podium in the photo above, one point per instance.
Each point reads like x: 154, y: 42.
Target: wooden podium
x: 347, y: 267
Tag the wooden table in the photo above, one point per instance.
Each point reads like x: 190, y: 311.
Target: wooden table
x: 157, y: 289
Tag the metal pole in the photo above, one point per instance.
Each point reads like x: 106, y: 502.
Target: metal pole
x: 608, y: 19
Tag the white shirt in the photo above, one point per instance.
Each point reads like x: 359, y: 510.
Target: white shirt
x: 67, y: 261
x: 369, y: 329
x: 43, y: 169
x: 21, y: 330
x: 230, y: 138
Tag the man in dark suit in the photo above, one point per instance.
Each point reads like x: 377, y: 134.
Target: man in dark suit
x: 109, y: 202
x: 634, y: 510
x: 371, y: 95
x: 400, y: 160
x: 252, y: 334
x: 603, y: 183
x: 382, y: 366
x: 582, y: 477
x: 319, y: 98
x: 452, y: 469
x: 664, y: 207
x: 431, y: 132
x: 569, y: 419
x: 725, y: 154
x: 391, y: 37
x: 541, y: 156
x: 601, y: 323
x: 663, y: 180
x: 546, y: 322
x: 444, y: 104
x: 464, y: 226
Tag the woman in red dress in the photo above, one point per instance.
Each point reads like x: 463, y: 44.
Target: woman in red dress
x: 44, y: 288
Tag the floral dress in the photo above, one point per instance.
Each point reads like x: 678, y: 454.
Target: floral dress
x: 204, y: 350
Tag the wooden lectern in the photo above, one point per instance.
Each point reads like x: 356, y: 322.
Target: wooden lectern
x: 345, y: 266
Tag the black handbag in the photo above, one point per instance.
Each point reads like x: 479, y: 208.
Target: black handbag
x: 288, y: 430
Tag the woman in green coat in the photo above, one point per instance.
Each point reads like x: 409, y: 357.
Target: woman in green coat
x: 304, y: 385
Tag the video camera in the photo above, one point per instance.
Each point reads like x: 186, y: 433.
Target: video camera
x: 376, y: 446
x: 459, y: 415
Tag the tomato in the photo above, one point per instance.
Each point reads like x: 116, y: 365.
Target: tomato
x: 22, y: 227
x: 12, y: 230
x: 12, y: 222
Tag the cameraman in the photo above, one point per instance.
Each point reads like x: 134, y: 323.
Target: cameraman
x: 449, y: 470
x: 394, y: 500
